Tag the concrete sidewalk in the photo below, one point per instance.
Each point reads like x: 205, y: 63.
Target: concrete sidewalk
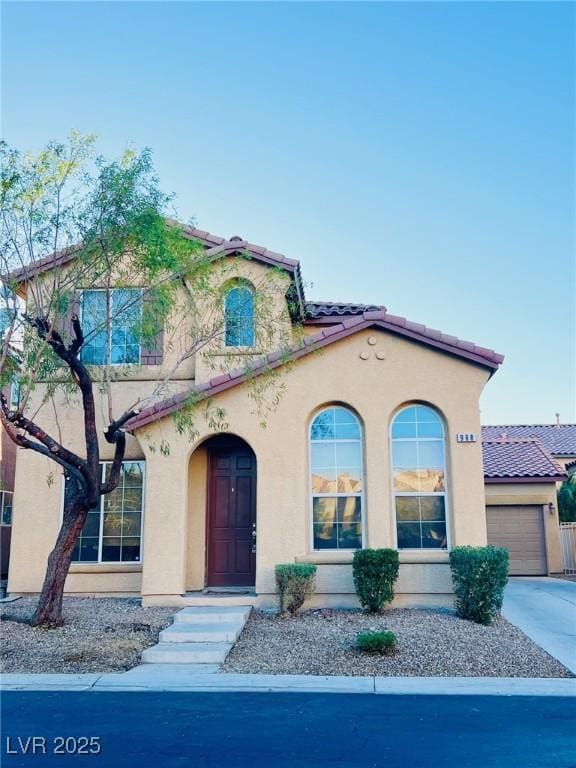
x: 175, y: 677
x: 545, y: 610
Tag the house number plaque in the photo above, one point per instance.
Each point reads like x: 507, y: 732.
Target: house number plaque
x: 466, y: 437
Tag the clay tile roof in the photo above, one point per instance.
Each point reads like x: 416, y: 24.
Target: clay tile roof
x: 349, y: 326
x: 324, y: 309
x: 216, y: 245
x: 558, y: 439
x: 520, y: 460
x: 442, y: 340
x: 397, y: 320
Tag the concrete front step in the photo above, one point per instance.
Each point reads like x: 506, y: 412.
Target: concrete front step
x: 202, y: 632
x: 153, y: 671
x: 199, y: 635
x: 205, y: 599
x: 186, y: 653
x: 212, y: 615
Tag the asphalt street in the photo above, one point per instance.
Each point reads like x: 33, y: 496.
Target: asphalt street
x: 281, y: 730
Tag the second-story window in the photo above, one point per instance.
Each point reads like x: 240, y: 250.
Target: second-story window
x: 122, y: 309
x: 239, y: 317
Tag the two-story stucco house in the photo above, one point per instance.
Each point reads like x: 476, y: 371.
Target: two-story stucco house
x: 375, y: 442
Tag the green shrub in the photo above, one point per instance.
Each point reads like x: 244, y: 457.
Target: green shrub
x: 374, y: 572
x: 376, y: 642
x: 294, y: 584
x: 567, y: 500
x: 479, y: 575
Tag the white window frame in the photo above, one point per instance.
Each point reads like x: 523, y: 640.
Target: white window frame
x: 3, y: 495
x: 252, y: 290
x: 444, y: 493
x: 361, y: 495
x: 103, y: 465
x: 14, y: 393
x: 110, y: 291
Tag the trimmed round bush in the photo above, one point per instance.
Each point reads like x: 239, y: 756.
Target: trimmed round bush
x: 376, y: 642
x: 294, y: 584
x: 479, y: 575
x: 375, y: 572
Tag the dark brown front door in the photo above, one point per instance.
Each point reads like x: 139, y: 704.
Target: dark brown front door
x: 231, y: 515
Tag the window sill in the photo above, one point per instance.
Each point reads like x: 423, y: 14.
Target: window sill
x: 238, y: 351
x: 328, y: 558
x: 106, y: 568
x: 345, y: 558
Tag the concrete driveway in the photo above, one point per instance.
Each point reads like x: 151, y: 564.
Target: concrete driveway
x: 545, y: 610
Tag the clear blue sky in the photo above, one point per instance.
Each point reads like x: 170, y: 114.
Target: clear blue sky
x: 416, y: 155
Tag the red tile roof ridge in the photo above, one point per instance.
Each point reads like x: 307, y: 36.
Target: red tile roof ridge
x: 534, y: 440
x: 279, y: 357
x: 523, y: 465
x: 454, y: 341
x: 506, y: 439
x: 215, y: 244
x: 326, y: 312
x: 528, y: 426
x: 559, y: 439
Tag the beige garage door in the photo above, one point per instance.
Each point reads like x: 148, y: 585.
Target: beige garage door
x: 521, y: 531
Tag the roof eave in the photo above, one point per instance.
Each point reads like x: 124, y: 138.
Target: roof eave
x: 327, y: 336
x: 489, y: 480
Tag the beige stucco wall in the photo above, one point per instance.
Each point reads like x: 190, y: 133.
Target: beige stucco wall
x: 564, y: 461
x: 38, y: 498
x: 199, y: 319
x: 274, y: 329
x: 541, y: 494
x: 197, y: 485
x: 375, y: 389
x: 174, y: 519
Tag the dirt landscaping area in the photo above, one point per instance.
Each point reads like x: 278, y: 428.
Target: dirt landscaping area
x: 109, y: 634
x: 99, y: 635
x: 430, y: 643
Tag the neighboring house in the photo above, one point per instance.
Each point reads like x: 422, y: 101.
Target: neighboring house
x: 521, y: 505
x: 374, y: 443
x: 524, y: 465
x: 7, y: 475
x: 7, y: 472
x: 558, y: 439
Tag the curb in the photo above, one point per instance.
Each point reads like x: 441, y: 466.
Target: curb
x: 140, y: 679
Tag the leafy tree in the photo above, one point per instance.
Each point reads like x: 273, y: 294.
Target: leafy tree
x: 104, y: 224
x: 567, y: 500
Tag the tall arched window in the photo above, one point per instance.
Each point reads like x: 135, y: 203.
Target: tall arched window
x: 419, y: 478
x: 239, y: 316
x: 336, y: 479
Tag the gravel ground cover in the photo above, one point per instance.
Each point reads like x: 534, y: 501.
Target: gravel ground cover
x: 430, y: 643
x: 99, y: 635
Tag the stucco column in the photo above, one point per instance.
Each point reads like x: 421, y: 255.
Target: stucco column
x: 466, y: 482
x: 164, y: 562
x: 282, y: 511
x: 378, y: 513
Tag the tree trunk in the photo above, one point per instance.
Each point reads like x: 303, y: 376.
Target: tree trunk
x: 49, y: 609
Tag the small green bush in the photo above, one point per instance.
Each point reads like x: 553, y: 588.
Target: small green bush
x: 479, y: 575
x: 376, y: 642
x: 567, y: 500
x: 294, y: 584
x: 375, y: 572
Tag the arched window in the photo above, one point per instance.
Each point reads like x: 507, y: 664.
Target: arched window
x: 419, y: 478
x: 336, y: 479
x: 239, y: 316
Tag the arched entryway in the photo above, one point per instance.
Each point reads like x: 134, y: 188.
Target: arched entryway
x: 230, y: 513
